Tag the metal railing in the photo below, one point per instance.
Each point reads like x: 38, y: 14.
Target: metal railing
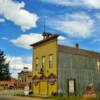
x: 12, y: 92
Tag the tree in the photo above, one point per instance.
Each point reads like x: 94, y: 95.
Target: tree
x: 4, y: 67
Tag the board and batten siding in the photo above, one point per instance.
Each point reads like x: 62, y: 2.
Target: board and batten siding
x: 82, y: 68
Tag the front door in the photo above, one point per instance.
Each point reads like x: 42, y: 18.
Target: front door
x: 36, y: 89
x: 43, y: 87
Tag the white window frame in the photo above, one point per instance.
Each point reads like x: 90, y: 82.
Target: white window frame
x: 43, y: 61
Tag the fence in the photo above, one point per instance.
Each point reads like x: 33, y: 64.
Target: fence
x: 12, y: 92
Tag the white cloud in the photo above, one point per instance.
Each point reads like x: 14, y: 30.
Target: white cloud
x: 92, y: 3
x: 24, y: 41
x: 2, y: 20
x: 75, y: 25
x: 15, y: 12
x: 87, y: 3
x: 17, y: 64
x: 64, y: 2
x: 61, y: 38
x: 4, y: 38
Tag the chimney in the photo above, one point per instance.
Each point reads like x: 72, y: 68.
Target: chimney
x: 77, y: 45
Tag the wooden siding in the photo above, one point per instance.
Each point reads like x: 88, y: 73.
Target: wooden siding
x: 81, y: 67
x: 78, y: 51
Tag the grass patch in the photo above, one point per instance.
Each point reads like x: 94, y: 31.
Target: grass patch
x: 67, y: 98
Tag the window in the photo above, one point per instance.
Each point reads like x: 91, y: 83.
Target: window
x: 50, y: 60
x: 43, y: 61
x: 25, y: 79
x: 98, y: 65
x: 37, y: 62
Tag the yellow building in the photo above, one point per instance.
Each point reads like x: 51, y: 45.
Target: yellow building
x: 62, y: 69
x: 45, y: 65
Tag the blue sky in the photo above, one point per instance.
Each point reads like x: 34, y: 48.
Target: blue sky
x: 22, y: 23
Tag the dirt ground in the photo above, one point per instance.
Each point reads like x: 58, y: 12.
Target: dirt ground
x: 19, y: 98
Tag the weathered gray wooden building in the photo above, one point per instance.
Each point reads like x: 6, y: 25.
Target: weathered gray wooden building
x: 80, y: 65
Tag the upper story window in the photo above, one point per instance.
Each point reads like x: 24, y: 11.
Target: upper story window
x: 43, y: 61
x: 98, y: 65
x: 50, y: 60
x: 37, y: 62
x: 25, y: 79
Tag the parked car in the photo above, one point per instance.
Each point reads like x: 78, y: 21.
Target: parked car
x: 11, y: 87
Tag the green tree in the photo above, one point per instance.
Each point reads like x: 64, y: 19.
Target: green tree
x: 4, y: 67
